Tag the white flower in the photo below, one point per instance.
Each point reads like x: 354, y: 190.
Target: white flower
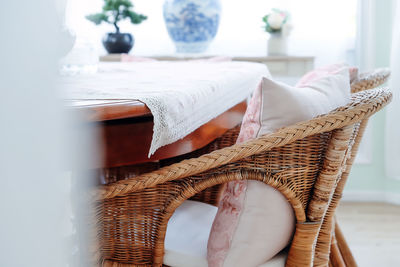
x: 275, y: 20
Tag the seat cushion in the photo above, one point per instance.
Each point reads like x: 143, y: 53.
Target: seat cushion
x: 187, y: 235
x: 253, y: 219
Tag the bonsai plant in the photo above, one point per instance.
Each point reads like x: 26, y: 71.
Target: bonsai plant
x: 113, y: 12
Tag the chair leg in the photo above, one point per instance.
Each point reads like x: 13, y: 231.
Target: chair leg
x: 344, y: 248
x: 335, y: 257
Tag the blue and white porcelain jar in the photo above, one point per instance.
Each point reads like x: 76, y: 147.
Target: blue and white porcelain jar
x: 192, y: 24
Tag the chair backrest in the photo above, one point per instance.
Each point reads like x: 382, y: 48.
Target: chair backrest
x: 370, y: 80
x: 365, y: 81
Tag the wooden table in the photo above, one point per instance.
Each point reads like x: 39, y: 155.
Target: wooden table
x: 127, y: 127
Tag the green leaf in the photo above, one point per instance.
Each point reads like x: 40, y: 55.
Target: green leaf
x: 115, y: 5
x: 98, y: 18
x: 115, y: 11
x: 134, y: 17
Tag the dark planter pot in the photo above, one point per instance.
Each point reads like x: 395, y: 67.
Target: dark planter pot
x: 117, y: 43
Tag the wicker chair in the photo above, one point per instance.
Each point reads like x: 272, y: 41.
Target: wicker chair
x: 308, y: 162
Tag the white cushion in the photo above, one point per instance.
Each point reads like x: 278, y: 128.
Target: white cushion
x: 254, y: 219
x: 283, y: 105
x: 266, y: 226
x: 278, y: 261
x: 187, y: 236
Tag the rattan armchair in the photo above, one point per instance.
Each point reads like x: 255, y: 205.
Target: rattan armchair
x: 308, y: 163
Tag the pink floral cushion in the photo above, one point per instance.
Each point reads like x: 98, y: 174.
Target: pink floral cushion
x: 254, y: 221
x: 251, y: 121
x: 222, y: 251
x: 232, y: 199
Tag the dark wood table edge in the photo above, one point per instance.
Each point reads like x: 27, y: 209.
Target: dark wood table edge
x: 127, y: 141
x: 107, y: 110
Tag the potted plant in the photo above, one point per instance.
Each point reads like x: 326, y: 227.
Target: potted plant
x: 113, y: 12
x: 278, y: 26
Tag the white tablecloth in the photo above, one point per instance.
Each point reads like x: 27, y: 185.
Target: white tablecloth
x: 182, y: 96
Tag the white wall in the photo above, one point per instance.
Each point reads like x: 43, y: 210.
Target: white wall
x: 322, y: 28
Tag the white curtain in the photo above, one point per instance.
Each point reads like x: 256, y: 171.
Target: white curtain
x: 392, y: 140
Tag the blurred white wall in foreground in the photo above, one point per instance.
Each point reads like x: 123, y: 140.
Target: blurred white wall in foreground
x: 38, y: 141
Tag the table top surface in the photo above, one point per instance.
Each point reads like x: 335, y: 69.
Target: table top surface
x: 117, y: 89
x: 105, y: 110
x: 127, y: 125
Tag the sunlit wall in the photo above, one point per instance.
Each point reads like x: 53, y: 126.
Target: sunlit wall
x: 325, y: 29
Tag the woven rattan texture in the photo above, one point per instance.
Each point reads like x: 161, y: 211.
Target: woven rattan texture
x: 370, y: 80
x: 363, y: 105
x: 304, y: 162
x: 327, y: 248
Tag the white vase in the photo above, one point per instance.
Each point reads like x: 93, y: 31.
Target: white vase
x: 192, y: 24
x: 277, y: 45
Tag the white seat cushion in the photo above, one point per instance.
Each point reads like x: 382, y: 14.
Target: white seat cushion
x: 278, y: 261
x: 187, y: 236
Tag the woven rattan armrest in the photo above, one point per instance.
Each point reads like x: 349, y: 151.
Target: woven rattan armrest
x: 363, y: 105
